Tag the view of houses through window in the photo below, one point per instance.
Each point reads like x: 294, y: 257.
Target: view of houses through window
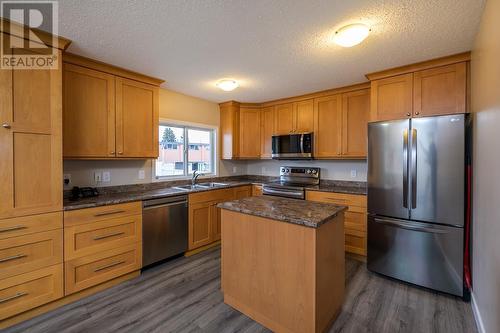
x: 175, y: 160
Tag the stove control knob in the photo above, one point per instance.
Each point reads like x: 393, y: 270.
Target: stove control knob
x: 314, y: 172
x: 309, y: 171
x: 287, y: 170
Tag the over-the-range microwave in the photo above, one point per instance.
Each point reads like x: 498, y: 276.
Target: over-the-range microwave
x: 296, y: 146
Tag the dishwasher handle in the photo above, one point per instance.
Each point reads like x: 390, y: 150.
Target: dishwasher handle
x: 165, y: 201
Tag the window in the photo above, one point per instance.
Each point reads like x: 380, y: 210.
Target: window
x: 175, y: 160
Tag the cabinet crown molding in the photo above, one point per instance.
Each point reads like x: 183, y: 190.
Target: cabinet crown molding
x: 79, y: 60
x: 15, y: 29
x: 443, y: 61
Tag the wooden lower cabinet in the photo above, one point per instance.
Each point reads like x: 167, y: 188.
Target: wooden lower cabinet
x: 355, y: 218
x: 28, y: 290
x: 256, y: 190
x: 88, y: 271
x: 204, y: 216
x: 30, y: 252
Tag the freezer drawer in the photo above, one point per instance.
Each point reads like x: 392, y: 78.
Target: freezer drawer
x: 424, y: 254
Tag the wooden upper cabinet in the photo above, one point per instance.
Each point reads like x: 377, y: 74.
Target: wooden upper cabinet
x: 137, y: 117
x: 109, y: 112
x: 327, y: 126
x: 304, y: 116
x: 249, y: 132
x: 355, y: 112
x: 229, y: 130
x: 285, y: 118
x: 30, y: 142
x: 295, y: 117
x: 89, y: 113
x: 266, y: 131
x: 391, y: 98
x: 440, y: 91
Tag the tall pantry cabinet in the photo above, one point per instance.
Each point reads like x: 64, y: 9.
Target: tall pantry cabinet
x: 30, y: 181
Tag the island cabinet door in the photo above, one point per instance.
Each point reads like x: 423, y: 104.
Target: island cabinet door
x: 200, y: 224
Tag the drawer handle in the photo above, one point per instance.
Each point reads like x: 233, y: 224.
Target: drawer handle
x: 10, y: 298
x: 110, y: 213
x: 113, y: 264
x: 15, y: 227
x: 108, y: 235
x: 17, y: 256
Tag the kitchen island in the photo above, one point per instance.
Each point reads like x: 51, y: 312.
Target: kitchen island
x: 283, y: 261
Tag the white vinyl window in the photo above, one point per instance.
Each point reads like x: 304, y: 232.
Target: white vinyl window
x: 184, y: 149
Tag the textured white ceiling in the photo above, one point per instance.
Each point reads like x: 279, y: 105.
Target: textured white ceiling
x: 275, y: 48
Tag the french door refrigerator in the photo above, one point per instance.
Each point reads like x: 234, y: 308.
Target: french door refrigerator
x: 417, y: 200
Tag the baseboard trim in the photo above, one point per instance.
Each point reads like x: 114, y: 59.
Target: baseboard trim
x: 477, y: 314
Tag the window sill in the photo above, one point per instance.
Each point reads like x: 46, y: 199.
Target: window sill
x: 173, y: 178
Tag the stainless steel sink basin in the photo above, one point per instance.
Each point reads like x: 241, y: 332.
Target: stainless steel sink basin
x: 189, y: 187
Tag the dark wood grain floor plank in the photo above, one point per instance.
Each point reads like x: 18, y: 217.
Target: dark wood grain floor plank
x: 184, y: 295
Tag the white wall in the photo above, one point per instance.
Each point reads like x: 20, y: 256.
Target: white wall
x: 485, y: 83
x: 338, y: 170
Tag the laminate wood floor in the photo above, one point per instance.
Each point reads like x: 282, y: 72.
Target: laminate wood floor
x: 184, y: 295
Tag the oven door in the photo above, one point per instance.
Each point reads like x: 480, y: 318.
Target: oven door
x: 293, y: 146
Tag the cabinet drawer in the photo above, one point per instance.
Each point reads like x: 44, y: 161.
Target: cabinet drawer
x: 355, y: 242
x: 81, y: 216
x: 213, y: 195
x: 85, y: 272
x: 355, y: 221
x: 29, y: 252
x: 94, y: 237
x: 357, y: 201
x: 25, y: 225
x: 29, y: 290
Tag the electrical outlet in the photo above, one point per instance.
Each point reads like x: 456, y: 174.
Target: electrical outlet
x: 106, y: 176
x: 67, y: 179
x: 142, y: 174
x: 264, y: 170
x: 235, y: 169
x: 354, y: 173
x: 97, y: 177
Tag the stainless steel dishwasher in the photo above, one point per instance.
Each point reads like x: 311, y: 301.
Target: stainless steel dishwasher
x: 164, y: 228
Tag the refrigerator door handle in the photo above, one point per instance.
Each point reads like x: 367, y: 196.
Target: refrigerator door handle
x: 413, y: 168
x: 405, y: 168
x: 411, y: 226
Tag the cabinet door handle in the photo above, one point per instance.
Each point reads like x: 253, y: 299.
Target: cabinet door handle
x: 17, y: 256
x: 10, y: 298
x: 6, y: 126
x: 408, y: 114
x: 113, y: 264
x: 108, y: 235
x: 109, y: 213
x: 120, y: 153
x: 111, y: 153
x: 13, y: 228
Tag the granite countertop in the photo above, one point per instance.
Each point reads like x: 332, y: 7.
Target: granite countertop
x: 139, y: 195
x: 128, y: 193
x: 307, y: 213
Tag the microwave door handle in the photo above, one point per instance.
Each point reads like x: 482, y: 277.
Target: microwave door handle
x: 302, y: 143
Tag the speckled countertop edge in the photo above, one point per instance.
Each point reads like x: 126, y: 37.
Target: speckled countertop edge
x: 308, y: 213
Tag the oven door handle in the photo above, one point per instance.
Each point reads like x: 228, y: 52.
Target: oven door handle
x: 283, y: 192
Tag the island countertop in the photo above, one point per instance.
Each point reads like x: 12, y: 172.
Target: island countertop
x: 307, y: 213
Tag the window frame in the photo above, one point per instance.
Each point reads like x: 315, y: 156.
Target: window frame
x: 187, y: 126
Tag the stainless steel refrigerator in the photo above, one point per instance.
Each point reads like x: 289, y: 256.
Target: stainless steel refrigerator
x: 417, y: 200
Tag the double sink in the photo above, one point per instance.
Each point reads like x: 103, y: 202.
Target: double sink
x: 190, y: 187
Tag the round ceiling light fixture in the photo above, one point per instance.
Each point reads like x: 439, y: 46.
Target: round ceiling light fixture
x: 227, y: 84
x: 351, y: 34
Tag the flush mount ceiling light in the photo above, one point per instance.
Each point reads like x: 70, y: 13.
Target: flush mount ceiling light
x: 351, y: 34
x: 227, y: 84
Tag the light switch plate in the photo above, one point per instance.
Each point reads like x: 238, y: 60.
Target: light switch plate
x: 142, y: 174
x: 235, y: 169
x: 97, y: 177
x: 106, y: 176
x: 67, y: 179
x: 354, y: 173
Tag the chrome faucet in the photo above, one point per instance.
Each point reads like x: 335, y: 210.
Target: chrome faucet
x: 195, y: 176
